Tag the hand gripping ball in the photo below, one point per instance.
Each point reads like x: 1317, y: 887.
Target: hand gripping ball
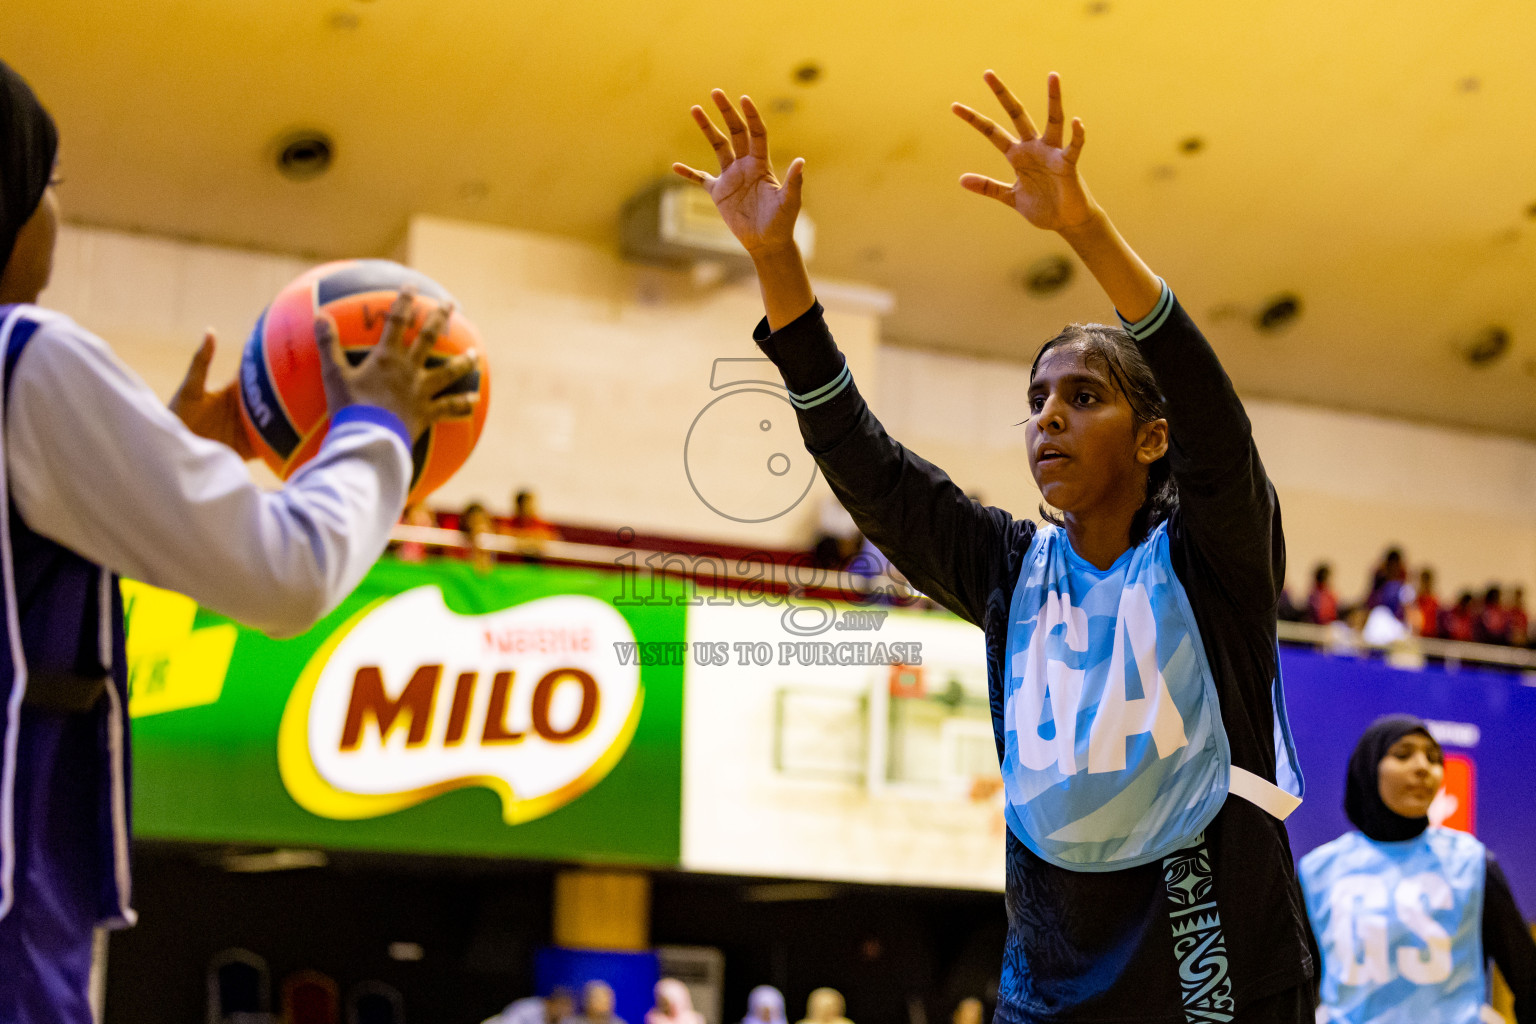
x: 282, y: 398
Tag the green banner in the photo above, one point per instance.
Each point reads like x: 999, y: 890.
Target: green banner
x: 438, y: 710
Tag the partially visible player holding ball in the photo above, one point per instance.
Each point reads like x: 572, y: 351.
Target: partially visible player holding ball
x: 100, y: 479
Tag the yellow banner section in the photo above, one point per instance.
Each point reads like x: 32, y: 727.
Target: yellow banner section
x: 171, y: 665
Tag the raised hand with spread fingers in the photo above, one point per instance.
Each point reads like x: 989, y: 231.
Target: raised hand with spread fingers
x: 756, y: 205
x: 1049, y: 192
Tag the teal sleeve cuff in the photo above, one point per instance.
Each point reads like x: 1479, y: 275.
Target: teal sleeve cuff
x: 1148, y: 325
x: 814, y: 371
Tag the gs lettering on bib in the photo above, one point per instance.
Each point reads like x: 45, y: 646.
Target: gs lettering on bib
x: 1114, y: 753
x: 1399, y: 926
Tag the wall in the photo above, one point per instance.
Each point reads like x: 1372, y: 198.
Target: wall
x: 603, y: 367
x: 744, y: 813
x: 600, y: 369
x: 1349, y: 484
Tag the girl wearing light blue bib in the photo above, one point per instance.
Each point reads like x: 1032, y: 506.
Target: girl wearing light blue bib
x: 1406, y: 915
x: 1130, y: 639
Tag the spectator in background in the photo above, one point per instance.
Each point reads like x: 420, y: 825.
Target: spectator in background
x: 674, y: 1005
x: 414, y: 550
x: 1289, y: 610
x: 1459, y: 622
x: 597, y: 1005
x: 968, y: 1011
x: 527, y: 528
x: 1389, y: 586
x: 1389, y: 570
x: 1322, y: 605
x: 1519, y: 623
x: 1492, y: 623
x: 1427, y: 605
x: 765, y: 1005
x: 825, y: 1006
x: 476, y: 524
x: 551, y: 1009
x: 837, y: 539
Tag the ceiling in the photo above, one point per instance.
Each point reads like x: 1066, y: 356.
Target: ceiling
x: 1376, y: 159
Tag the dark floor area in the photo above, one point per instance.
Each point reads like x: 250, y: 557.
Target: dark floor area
x: 900, y: 956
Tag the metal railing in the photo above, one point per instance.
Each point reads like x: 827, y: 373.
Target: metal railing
x: 730, y: 569
x: 1411, y: 652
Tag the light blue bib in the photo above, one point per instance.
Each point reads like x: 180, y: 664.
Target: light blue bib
x: 1400, y: 926
x: 1115, y: 754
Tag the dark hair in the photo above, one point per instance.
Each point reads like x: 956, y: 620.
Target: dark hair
x: 1114, y: 352
x: 1321, y: 573
x: 29, y: 141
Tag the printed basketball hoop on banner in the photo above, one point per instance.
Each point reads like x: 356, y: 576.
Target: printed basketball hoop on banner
x: 282, y: 396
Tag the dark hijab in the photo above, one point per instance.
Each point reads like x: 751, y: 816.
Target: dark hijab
x: 28, y: 144
x: 1362, y: 793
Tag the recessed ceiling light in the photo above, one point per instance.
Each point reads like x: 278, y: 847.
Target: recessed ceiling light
x: 1471, y: 83
x: 1530, y: 211
x: 1047, y: 276
x: 304, y: 155
x: 808, y: 73
x: 1487, y: 345
x: 1163, y: 172
x: 1192, y: 145
x: 1098, y: 7
x: 1278, y: 312
x: 782, y: 105
x: 344, y: 21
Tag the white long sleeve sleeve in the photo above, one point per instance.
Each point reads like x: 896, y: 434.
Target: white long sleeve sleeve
x: 97, y: 463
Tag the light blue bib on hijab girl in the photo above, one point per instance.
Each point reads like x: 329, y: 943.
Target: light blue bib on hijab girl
x: 1400, y: 927
x: 1396, y: 908
x: 1114, y: 749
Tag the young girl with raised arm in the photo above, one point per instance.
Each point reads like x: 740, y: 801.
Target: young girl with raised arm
x: 1130, y: 638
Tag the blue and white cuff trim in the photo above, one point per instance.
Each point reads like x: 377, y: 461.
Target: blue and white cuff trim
x: 372, y: 414
x: 1147, y: 326
x: 825, y: 393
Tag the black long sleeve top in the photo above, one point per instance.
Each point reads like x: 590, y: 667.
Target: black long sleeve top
x: 1097, y: 947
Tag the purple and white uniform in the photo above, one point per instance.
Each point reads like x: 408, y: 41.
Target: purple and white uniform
x: 101, y: 480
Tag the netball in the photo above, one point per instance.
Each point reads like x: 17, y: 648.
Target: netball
x: 282, y: 397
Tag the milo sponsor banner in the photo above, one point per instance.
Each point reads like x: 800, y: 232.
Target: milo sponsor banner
x: 437, y: 710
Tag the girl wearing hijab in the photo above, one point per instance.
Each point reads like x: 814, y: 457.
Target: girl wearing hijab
x: 674, y: 1005
x: 825, y: 1006
x: 1404, y: 914
x: 100, y: 479
x: 765, y: 1005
